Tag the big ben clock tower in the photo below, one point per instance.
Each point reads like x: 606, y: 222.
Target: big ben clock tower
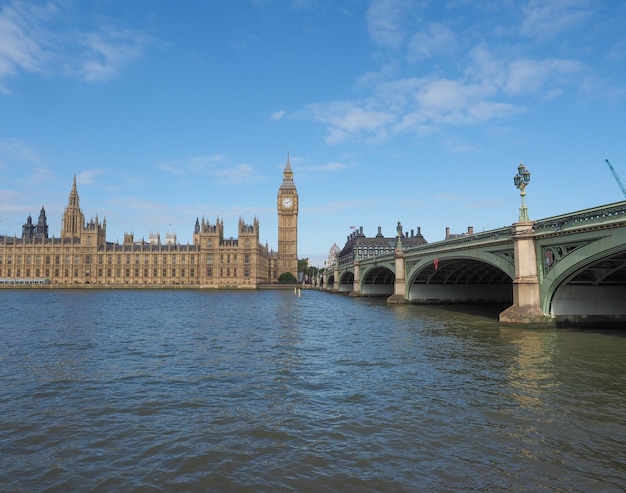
x: 288, y: 224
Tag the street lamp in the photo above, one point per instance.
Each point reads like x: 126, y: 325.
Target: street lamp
x: 521, y: 180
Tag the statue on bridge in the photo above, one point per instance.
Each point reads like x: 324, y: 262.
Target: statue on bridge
x: 400, y: 235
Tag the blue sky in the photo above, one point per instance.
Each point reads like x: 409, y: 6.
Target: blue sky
x: 391, y: 110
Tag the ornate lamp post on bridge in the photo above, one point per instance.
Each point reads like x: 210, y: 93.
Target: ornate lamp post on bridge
x: 521, y: 180
x: 526, y: 306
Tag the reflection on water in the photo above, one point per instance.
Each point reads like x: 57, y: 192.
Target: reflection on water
x: 267, y: 391
x: 530, y: 373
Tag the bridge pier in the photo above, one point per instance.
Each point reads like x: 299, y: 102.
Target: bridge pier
x: 399, y: 285
x: 336, y: 284
x: 526, y: 308
x: 356, y: 284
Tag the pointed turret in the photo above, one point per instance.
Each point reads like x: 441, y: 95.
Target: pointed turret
x: 287, y: 183
x: 73, y: 218
x: 74, y: 200
x: 42, y: 225
x: 28, y: 229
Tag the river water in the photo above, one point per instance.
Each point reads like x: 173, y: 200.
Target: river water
x: 104, y: 390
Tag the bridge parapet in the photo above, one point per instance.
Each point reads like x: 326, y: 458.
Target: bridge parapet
x: 455, y: 243
x: 471, y: 240
x: 603, y: 216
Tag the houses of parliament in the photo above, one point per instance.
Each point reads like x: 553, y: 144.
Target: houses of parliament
x: 83, y: 256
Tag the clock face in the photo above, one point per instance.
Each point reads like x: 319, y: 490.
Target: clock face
x: 287, y: 202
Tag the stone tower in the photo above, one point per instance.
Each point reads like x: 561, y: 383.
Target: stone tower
x: 288, y: 224
x: 73, y: 218
x: 28, y: 230
x: 41, y: 230
x: 92, y: 233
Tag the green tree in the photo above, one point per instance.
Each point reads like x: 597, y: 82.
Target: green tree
x: 287, y: 278
x: 307, y: 269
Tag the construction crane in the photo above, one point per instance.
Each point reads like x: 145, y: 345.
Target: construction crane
x: 616, y: 176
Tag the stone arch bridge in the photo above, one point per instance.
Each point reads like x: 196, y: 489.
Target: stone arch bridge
x: 567, y: 268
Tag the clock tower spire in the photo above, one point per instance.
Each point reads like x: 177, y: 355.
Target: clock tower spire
x: 288, y: 224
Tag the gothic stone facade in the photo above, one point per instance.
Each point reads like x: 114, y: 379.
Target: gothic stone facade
x: 82, y: 255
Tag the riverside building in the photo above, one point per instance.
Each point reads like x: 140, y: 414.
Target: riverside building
x: 359, y: 246
x: 83, y: 256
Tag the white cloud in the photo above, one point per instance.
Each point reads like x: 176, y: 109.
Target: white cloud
x: 213, y: 165
x: 488, y: 87
x: 107, y: 51
x: 345, y: 119
x: 204, y: 164
x: 441, y: 96
x: 485, y: 69
x: 170, y: 168
x: 414, y: 105
x: 482, y: 111
x: 546, y: 19
x: 371, y: 79
x: 88, y: 177
x: 328, y: 167
x: 437, y: 40
x: 278, y: 115
x: 242, y: 173
x: 20, y: 48
x: 385, y: 20
x: 457, y: 74
x: 40, y: 175
x: 529, y: 76
x: 15, y: 150
x: 29, y: 42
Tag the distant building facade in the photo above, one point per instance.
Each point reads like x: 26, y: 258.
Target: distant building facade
x: 360, y: 246
x: 83, y: 256
x: 333, y: 256
x: 452, y: 236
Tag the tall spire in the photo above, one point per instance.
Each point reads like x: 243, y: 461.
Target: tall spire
x: 73, y: 218
x: 287, y: 176
x: 73, y: 201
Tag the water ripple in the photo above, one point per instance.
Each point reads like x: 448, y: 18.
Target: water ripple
x: 267, y: 391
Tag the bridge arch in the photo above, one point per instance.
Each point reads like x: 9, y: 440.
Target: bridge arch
x: 378, y: 280
x: 588, y: 284
x: 346, y: 281
x: 330, y: 282
x: 461, y: 277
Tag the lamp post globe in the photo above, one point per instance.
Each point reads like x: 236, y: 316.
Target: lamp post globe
x: 521, y: 180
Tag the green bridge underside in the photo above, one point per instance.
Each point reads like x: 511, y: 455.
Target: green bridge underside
x: 581, y: 266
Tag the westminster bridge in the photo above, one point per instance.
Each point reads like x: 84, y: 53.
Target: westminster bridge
x: 568, y: 268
